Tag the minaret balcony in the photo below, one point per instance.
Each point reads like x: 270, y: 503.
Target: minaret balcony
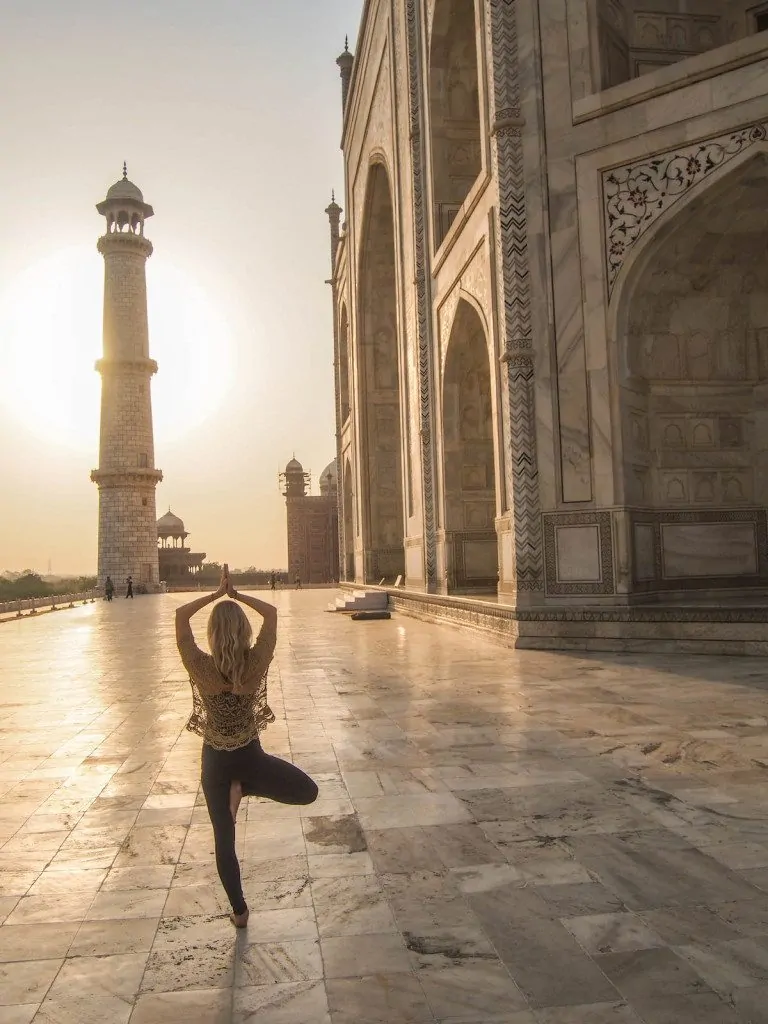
x: 123, y: 366
x: 120, y: 241
x: 128, y: 476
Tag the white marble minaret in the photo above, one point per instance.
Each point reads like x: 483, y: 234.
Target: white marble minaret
x: 126, y: 476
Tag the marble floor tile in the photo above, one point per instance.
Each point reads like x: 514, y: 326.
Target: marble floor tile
x: 205, y: 966
x: 645, y: 971
x: 430, y: 946
x: 337, y: 835
x: 352, y: 956
x: 351, y: 906
x: 51, y: 908
x: 23, y: 1014
x: 126, y: 904
x: 35, y: 941
x: 112, y: 938
x: 110, y: 983
x: 272, y: 963
x: 7, y: 905
x: 27, y: 981
x: 471, y: 989
x: 146, y: 877
x: 727, y: 966
x: 695, y: 1009
x: 290, y: 924
x: 378, y: 999
x: 340, y: 865
x: 612, y: 933
x: 404, y: 811
x: 597, y: 1013
x: 198, y: 1007
x: 281, y: 1004
x: 751, y: 1005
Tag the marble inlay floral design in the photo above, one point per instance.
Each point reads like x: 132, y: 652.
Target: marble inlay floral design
x: 635, y: 196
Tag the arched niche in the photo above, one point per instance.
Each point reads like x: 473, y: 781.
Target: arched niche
x: 693, y: 389
x: 344, y: 366
x: 454, y: 110
x: 379, y: 384
x: 348, y: 509
x: 469, y: 499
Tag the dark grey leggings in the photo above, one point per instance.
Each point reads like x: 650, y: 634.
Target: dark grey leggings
x: 259, y: 774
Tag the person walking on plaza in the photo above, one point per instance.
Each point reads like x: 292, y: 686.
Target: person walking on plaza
x: 229, y: 710
x: 272, y: 580
x: 109, y: 588
x: 129, y: 592
x: 297, y: 581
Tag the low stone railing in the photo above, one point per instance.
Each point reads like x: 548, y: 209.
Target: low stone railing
x: 33, y: 605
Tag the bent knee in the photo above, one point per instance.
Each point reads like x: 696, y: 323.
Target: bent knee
x: 309, y: 793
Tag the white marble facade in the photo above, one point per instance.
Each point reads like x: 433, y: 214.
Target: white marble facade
x: 551, y: 299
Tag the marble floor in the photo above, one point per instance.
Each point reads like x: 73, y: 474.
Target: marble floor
x: 509, y: 837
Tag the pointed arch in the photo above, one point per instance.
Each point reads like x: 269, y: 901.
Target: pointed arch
x: 379, y: 384
x: 690, y: 328
x: 344, y: 405
x: 348, y: 520
x: 469, y: 456
x: 454, y: 110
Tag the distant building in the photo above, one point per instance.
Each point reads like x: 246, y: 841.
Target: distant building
x: 178, y: 565
x: 313, y: 525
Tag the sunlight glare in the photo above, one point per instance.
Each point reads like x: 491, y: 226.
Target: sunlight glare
x: 50, y: 338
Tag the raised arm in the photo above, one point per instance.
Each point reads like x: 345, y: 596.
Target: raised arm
x: 186, y: 611
x: 267, y: 611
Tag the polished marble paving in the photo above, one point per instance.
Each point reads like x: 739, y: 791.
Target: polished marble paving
x: 508, y: 837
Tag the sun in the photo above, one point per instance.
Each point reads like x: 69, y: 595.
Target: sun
x: 50, y: 331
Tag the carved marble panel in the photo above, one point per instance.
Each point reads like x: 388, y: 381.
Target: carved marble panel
x: 635, y: 195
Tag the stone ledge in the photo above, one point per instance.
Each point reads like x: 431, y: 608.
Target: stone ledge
x: 668, y: 629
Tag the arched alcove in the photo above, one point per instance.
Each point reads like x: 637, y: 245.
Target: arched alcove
x: 348, y: 507
x: 454, y: 109
x: 344, y: 365
x: 381, y: 443
x: 471, y: 554
x: 693, y: 362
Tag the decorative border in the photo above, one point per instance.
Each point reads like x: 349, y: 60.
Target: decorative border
x: 636, y: 195
x: 512, y: 260
x: 422, y: 301
x: 656, y: 518
x: 607, y: 583
x: 632, y: 613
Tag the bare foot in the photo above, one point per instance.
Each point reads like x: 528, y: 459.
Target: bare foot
x: 235, y: 796
x: 240, y: 920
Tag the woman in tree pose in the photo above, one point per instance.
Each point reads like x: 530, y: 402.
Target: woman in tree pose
x: 229, y: 710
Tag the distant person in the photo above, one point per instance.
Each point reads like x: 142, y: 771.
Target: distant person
x: 109, y: 588
x: 129, y: 591
x: 272, y: 581
x: 229, y: 710
x: 297, y: 581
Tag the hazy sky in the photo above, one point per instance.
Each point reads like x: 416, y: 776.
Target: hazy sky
x: 229, y: 116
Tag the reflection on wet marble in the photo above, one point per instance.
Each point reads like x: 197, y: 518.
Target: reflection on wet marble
x: 506, y: 837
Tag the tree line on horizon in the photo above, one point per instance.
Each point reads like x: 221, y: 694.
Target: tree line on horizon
x: 20, y: 586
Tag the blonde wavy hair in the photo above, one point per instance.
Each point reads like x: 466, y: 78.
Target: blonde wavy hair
x: 229, y: 637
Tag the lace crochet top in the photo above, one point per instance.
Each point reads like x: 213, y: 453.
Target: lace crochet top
x: 227, y: 720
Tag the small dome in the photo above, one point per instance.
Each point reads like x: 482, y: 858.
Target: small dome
x: 329, y: 479
x: 169, y: 523
x: 125, y: 189
x: 294, y: 466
